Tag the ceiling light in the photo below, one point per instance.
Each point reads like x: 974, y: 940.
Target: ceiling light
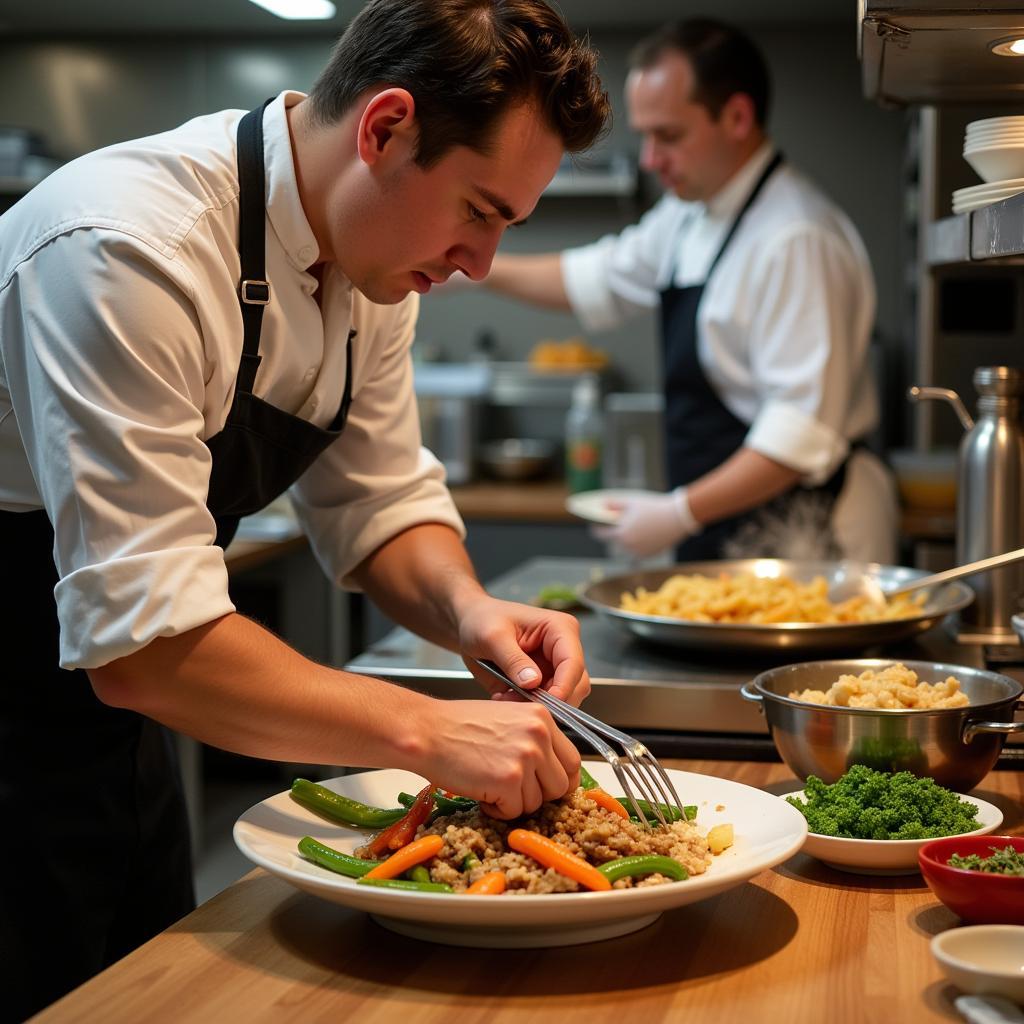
x: 295, y: 10
x: 1010, y: 47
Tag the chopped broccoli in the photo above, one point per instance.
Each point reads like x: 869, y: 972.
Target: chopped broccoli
x: 866, y: 804
x: 1005, y: 860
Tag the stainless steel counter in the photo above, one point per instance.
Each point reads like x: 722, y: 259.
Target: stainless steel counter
x: 636, y: 685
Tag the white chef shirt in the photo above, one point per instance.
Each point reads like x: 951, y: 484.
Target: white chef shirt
x: 784, y: 324
x: 120, y: 339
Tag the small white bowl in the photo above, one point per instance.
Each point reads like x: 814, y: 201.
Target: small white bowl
x: 885, y: 856
x: 993, y: 163
x: 986, y: 959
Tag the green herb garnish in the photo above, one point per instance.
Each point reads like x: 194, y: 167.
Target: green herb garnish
x: 866, y: 804
x: 1005, y: 860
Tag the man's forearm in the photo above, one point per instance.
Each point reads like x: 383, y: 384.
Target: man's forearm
x: 531, y: 278
x: 423, y: 579
x: 744, y: 481
x: 234, y: 685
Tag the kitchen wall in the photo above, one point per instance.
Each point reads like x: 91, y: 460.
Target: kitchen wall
x: 87, y: 93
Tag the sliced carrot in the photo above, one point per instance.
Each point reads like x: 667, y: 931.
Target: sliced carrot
x: 491, y: 884
x: 555, y: 856
x: 607, y: 801
x: 395, y: 836
x: 407, y: 857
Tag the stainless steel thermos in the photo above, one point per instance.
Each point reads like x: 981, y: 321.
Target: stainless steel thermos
x: 990, y: 498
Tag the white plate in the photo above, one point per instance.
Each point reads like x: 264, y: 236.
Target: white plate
x: 974, y: 191
x: 1006, y: 119
x: 885, y: 856
x: 968, y: 205
x: 593, y: 505
x: 767, y: 833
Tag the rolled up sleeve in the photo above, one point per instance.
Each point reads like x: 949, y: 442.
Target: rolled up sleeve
x: 106, y: 367
x: 621, y: 275
x: 376, y: 480
x: 812, y: 330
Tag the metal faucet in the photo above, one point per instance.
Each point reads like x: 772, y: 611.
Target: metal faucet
x: 990, y: 497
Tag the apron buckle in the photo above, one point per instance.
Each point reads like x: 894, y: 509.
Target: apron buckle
x: 254, y: 292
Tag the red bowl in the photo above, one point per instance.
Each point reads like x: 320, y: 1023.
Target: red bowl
x: 975, y: 896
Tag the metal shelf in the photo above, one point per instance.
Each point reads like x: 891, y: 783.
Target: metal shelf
x: 938, y: 52
x: 618, y: 179
x: 993, y: 233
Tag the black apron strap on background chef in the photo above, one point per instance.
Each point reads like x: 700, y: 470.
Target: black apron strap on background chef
x: 701, y: 432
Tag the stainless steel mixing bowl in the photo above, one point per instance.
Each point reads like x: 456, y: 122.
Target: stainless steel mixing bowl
x: 956, y: 747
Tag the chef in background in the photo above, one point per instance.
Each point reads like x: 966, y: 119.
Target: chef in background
x: 190, y: 324
x: 766, y: 303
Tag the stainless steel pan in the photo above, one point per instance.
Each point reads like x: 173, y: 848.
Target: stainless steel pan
x: 955, y: 746
x: 603, y: 596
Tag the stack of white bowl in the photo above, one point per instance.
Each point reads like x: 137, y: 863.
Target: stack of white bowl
x: 994, y: 147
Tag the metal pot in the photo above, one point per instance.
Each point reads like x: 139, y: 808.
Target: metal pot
x: 957, y: 747
x: 517, y: 458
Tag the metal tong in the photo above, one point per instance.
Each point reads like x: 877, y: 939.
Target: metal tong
x: 637, y: 763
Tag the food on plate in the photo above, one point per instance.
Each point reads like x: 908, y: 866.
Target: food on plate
x: 867, y: 804
x: 558, y: 596
x: 1005, y: 860
x: 571, y: 354
x: 745, y: 598
x: 587, y: 841
x: 894, y: 687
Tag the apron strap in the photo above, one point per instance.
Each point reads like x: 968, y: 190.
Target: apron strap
x: 253, y: 288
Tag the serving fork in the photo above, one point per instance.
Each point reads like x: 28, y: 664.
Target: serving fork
x: 636, y: 763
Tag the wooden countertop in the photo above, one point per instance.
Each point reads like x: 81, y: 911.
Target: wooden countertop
x: 541, y: 501
x: 799, y: 943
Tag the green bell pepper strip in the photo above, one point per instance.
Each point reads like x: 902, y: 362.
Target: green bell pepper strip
x: 334, y: 860
x: 587, y: 781
x: 406, y: 799
x: 401, y: 883
x: 341, y: 808
x: 470, y: 861
x: 647, y: 864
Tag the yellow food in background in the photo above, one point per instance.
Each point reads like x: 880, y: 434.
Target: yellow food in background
x: 572, y: 354
x: 744, y: 598
x: 895, y: 687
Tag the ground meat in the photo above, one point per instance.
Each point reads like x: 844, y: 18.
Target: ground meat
x: 579, y: 824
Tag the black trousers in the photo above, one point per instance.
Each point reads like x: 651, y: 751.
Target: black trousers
x: 95, y: 852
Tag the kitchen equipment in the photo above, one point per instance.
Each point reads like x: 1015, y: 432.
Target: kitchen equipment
x: 955, y: 746
x: 604, y: 596
x: 983, y: 958
x: 926, y: 480
x: 634, y: 443
x: 869, y: 587
x: 990, y: 497
x: 886, y: 856
x: 448, y: 396
x: 978, y: 897
x: 639, y: 764
x: 517, y: 458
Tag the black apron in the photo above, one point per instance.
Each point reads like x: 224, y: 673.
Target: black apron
x: 701, y: 432
x: 95, y: 852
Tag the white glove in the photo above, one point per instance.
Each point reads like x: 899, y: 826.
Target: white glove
x: 652, y: 523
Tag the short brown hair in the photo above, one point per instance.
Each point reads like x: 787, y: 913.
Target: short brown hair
x: 724, y: 61
x: 466, y: 62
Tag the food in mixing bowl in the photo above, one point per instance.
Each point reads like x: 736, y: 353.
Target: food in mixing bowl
x: 865, y: 804
x: 894, y: 687
x: 585, y: 841
x: 745, y: 598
